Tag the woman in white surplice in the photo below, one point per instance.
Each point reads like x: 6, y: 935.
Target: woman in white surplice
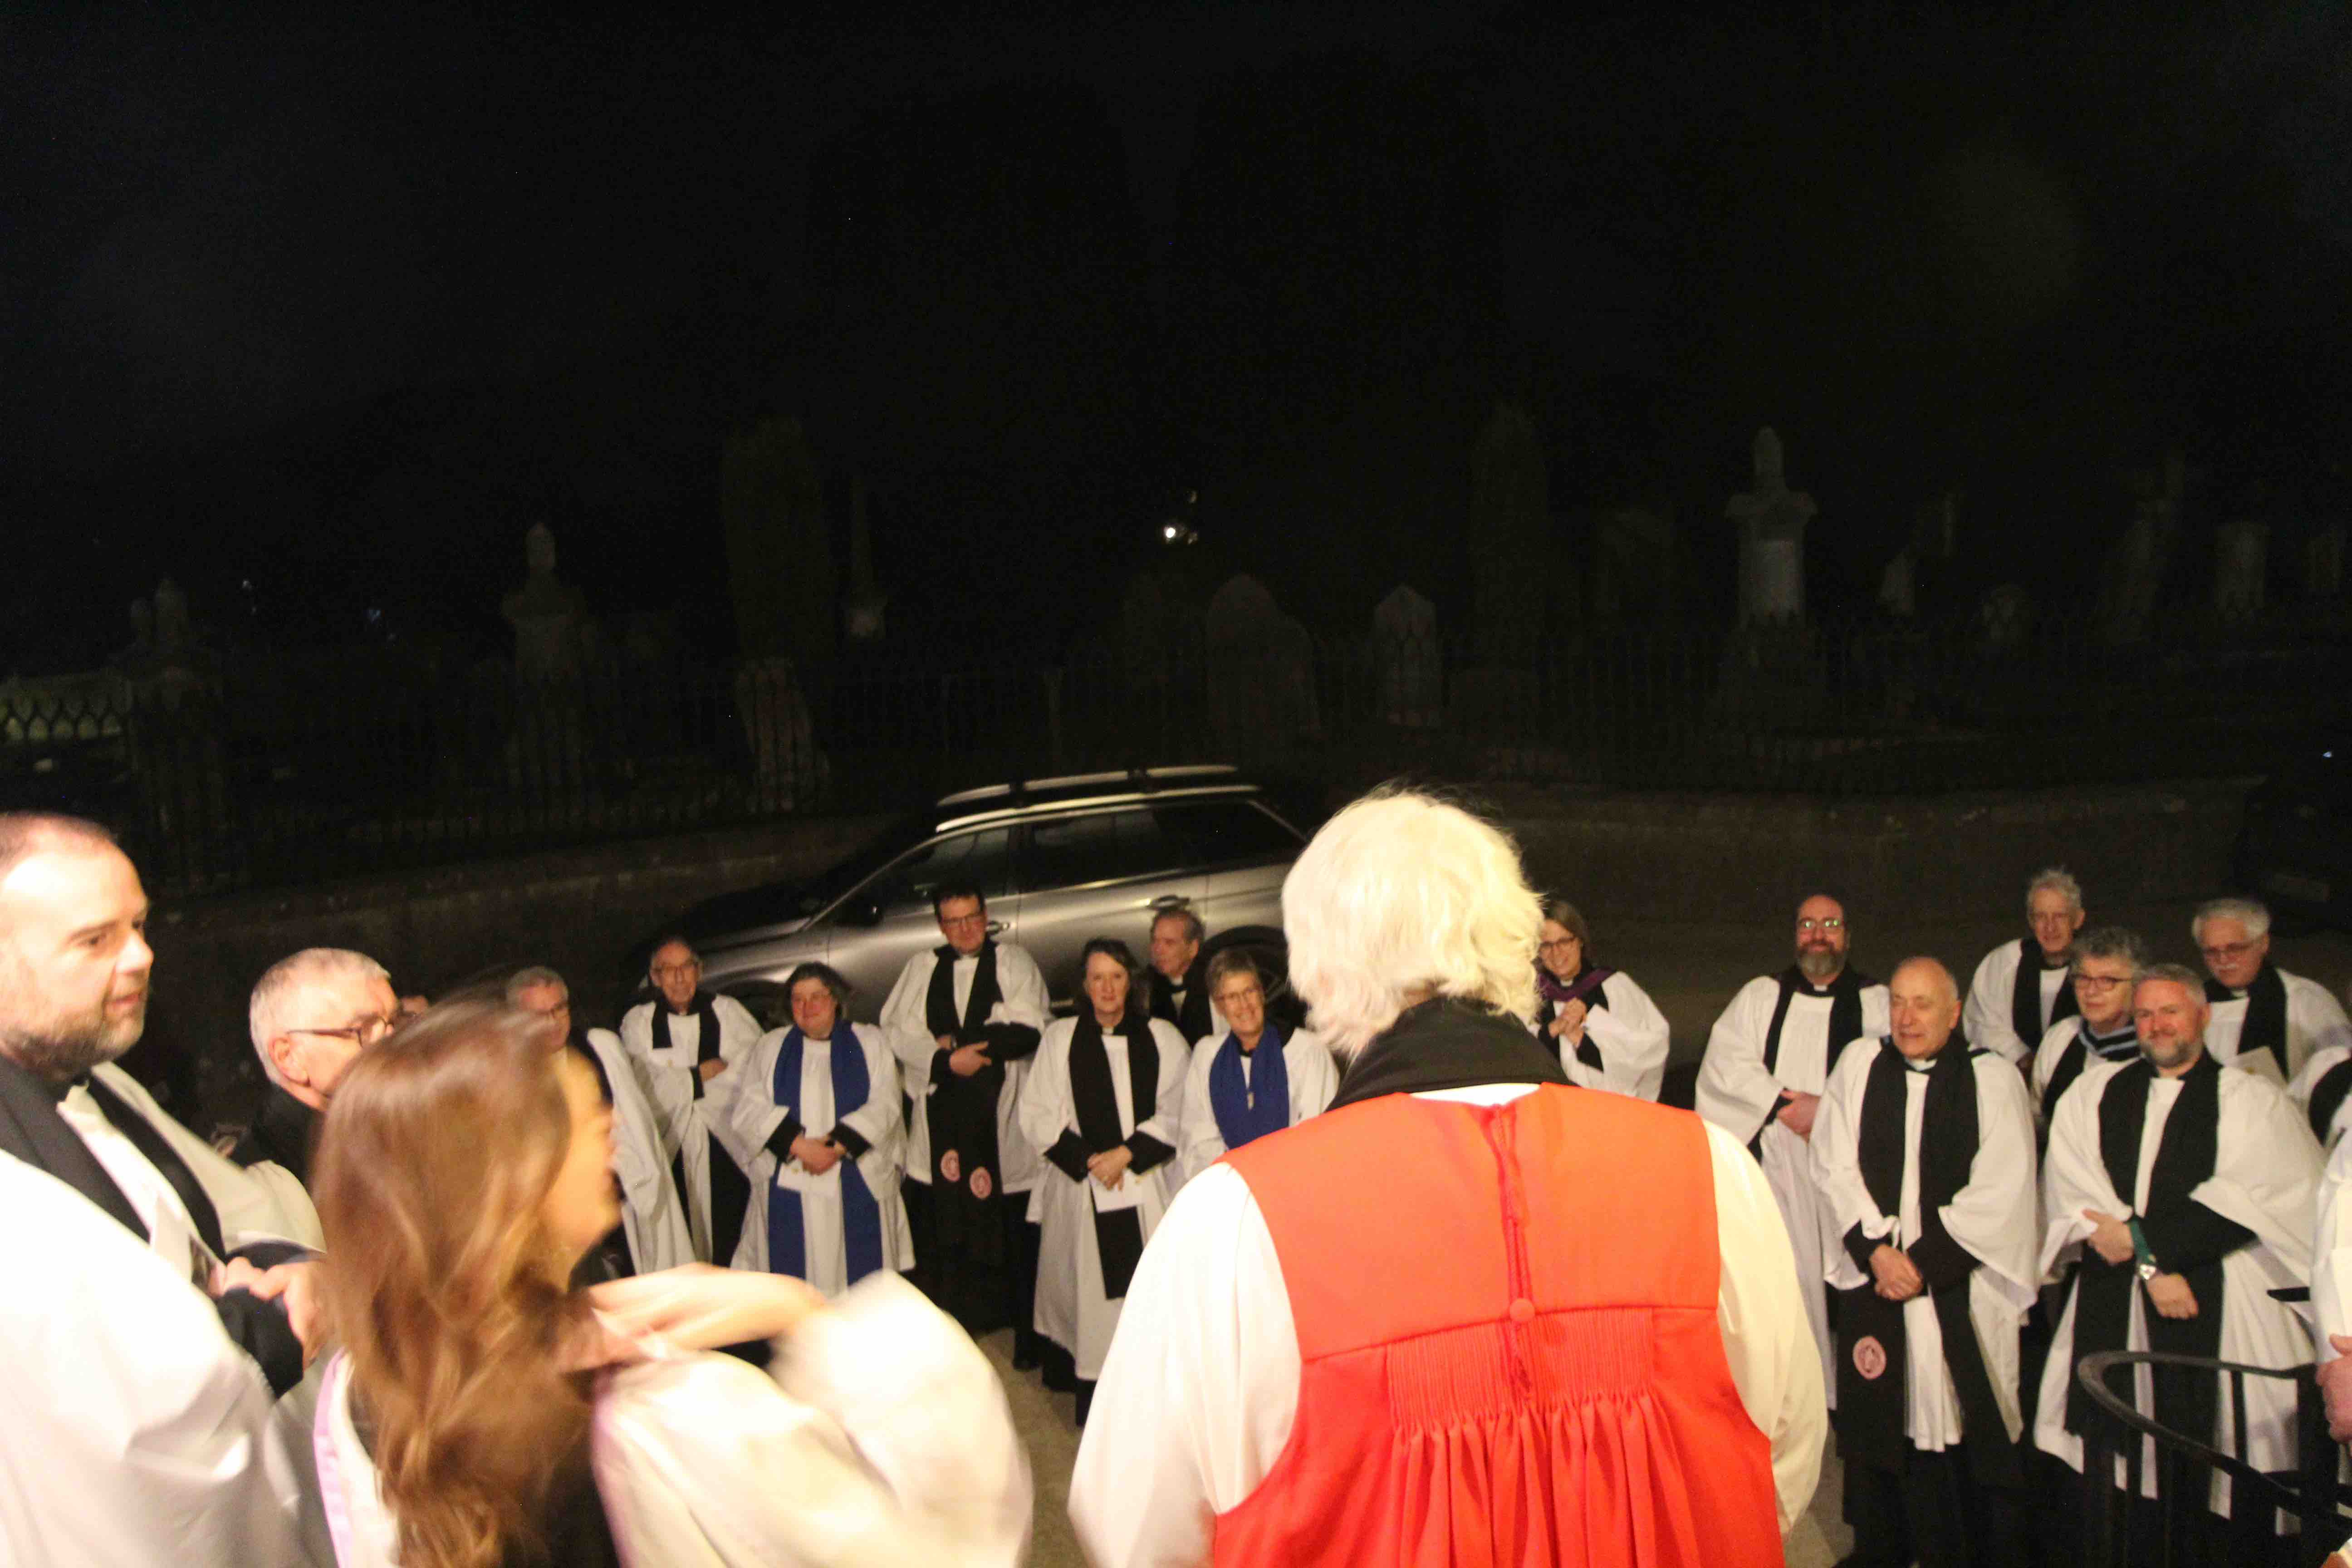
x: 481, y: 1416
x: 1104, y: 1104
x: 827, y: 1143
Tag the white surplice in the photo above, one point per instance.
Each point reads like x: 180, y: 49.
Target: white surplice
x: 883, y: 1437
x: 1307, y: 1062
x: 1072, y: 1309
x: 2053, y: 1049
x: 2315, y: 1022
x: 755, y: 1114
x: 255, y: 1203
x: 682, y: 1104
x: 2331, y: 1252
x: 2265, y: 1177
x: 1985, y: 1017
x: 1632, y: 1036
x: 1201, y: 1389
x: 1737, y: 1094
x: 651, y: 1213
x: 1996, y: 1216
x: 1023, y: 999
x: 135, y: 1432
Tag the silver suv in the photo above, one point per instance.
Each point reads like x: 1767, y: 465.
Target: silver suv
x: 1061, y: 860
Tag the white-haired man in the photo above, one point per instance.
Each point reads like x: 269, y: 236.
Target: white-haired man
x: 1424, y: 1300
x: 2021, y: 987
x: 2266, y: 1020
x: 652, y: 1234
x: 680, y: 1043
x: 140, y: 1371
x: 1768, y: 1059
x: 2189, y: 1193
x: 310, y: 1016
x: 1926, y: 1146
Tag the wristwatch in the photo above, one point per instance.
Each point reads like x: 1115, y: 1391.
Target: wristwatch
x: 2140, y: 1254
x: 2148, y: 1271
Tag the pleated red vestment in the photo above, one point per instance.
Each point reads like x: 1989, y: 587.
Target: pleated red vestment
x: 1507, y: 1342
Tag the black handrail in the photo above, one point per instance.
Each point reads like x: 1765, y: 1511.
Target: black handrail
x: 2312, y: 1495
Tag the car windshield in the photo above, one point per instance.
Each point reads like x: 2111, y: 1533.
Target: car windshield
x: 822, y: 888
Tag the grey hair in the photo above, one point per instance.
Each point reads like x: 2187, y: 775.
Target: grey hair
x: 2179, y: 975
x: 1403, y: 893
x: 2252, y: 913
x: 289, y: 973
x: 1231, y: 961
x: 2111, y: 942
x: 532, y: 979
x: 2055, y: 880
x: 1194, y: 932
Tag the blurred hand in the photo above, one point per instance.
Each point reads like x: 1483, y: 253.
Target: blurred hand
x: 1570, y: 1025
x: 2112, y: 1238
x: 2171, y: 1295
x: 1898, y: 1276
x: 966, y: 1060
x: 816, y: 1154
x: 698, y: 1307
x: 713, y: 1068
x: 1797, y: 1116
x: 2336, y: 1384
x: 1109, y: 1167
x: 293, y: 1281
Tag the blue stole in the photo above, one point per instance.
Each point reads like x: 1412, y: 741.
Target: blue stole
x: 861, y: 1218
x: 1245, y: 1111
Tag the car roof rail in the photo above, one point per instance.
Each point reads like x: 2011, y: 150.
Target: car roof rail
x: 1018, y: 792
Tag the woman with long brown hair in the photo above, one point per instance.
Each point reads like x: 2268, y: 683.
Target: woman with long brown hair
x: 480, y: 1413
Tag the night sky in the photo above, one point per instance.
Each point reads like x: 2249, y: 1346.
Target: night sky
x: 336, y: 308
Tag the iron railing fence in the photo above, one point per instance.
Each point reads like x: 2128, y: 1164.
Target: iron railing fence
x: 293, y: 771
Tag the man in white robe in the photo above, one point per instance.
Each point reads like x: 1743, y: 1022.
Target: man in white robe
x: 680, y: 1043
x: 2021, y: 988
x: 2101, y: 1034
x: 828, y: 1141
x: 1768, y: 1058
x: 2189, y: 1193
x: 2266, y: 1020
x: 138, y: 1340
x: 1104, y: 1104
x: 1205, y: 1408
x: 1234, y: 1091
x: 310, y: 1016
x: 1926, y: 1147
x: 653, y: 1234
x: 964, y: 1020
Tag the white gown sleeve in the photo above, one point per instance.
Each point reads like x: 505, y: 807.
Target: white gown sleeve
x: 2266, y: 1175
x: 746, y: 1104
x: 1734, y: 1091
x: 1205, y: 1144
x: 660, y: 1235
x: 1997, y: 1214
x: 1314, y: 1077
x: 2317, y: 1021
x: 1767, y: 1338
x: 1837, y: 1127
x: 2073, y: 1174
x: 139, y: 1433
x: 665, y: 1087
x: 1045, y: 1108
x: 1166, y: 1122
x: 1985, y: 1020
x: 905, y: 1029
x: 739, y: 1036
x: 1022, y: 984
x: 1633, y: 1038
x: 2331, y: 1263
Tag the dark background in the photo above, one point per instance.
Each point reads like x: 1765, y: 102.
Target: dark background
x: 316, y: 315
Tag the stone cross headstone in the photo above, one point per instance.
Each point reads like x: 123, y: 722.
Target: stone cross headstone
x: 548, y: 615
x: 2135, y: 566
x: 1772, y: 519
x: 2241, y: 558
x: 1409, y: 668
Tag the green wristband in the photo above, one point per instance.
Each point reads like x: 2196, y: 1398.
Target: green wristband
x: 2140, y: 1254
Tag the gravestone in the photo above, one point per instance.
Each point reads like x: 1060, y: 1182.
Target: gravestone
x: 548, y: 615
x: 2136, y: 565
x: 1261, y: 674
x: 1408, y: 664
x: 1510, y: 524
x: 2241, y: 558
x: 1771, y: 520
x: 546, y: 754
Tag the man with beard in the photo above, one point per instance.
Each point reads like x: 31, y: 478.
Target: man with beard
x: 1768, y: 1059
x: 680, y: 1043
x: 2021, y: 987
x: 1179, y: 980
x: 963, y: 1020
x: 652, y: 1234
x: 1926, y: 1146
x: 2266, y: 1020
x: 2189, y: 1193
x: 141, y: 1369
x: 2106, y: 967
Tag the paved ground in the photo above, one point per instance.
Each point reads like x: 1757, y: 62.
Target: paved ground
x: 1691, y: 971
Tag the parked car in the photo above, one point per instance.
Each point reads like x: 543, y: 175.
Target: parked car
x: 1061, y: 860
x: 2295, y: 847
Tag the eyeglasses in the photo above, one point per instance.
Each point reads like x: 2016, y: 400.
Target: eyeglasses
x: 1227, y: 999
x: 981, y: 918
x: 2101, y: 982
x: 675, y: 971
x: 1835, y: 923
x: 1562, y: 946
x: 366, y: 1032
x: 2227, y: 949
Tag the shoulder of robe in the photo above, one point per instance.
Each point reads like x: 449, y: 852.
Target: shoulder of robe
x: 642, y: 1010
x: 1018, y: 956
x: 2255, y: 1092
x: 1992, y: 960
x: 609, y: 1036
x: 724, y: 1005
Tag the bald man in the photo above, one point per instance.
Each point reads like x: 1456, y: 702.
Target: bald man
x: 1925, y: 1145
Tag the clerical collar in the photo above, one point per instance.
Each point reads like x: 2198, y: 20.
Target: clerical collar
x: 2101, y: 1037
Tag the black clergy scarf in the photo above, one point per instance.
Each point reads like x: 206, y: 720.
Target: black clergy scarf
x: 2124, y: 1042
x: 731, y: 1190
x: 1554, y: 995
x: 1870, y: 1413
x: 1845, y: 1025
x: 1445, y: 1043
x: 284, y: 1131
x: 2186, y: 1238
x: 2327, y: 1098
x: 1191, y: 1020
x: 2025, y: 996
x: 33, y: 1128
x: 1119, y: 1235
x: 707, y: 1039
x: 2266, y: 1026
x: 966, y: 1172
